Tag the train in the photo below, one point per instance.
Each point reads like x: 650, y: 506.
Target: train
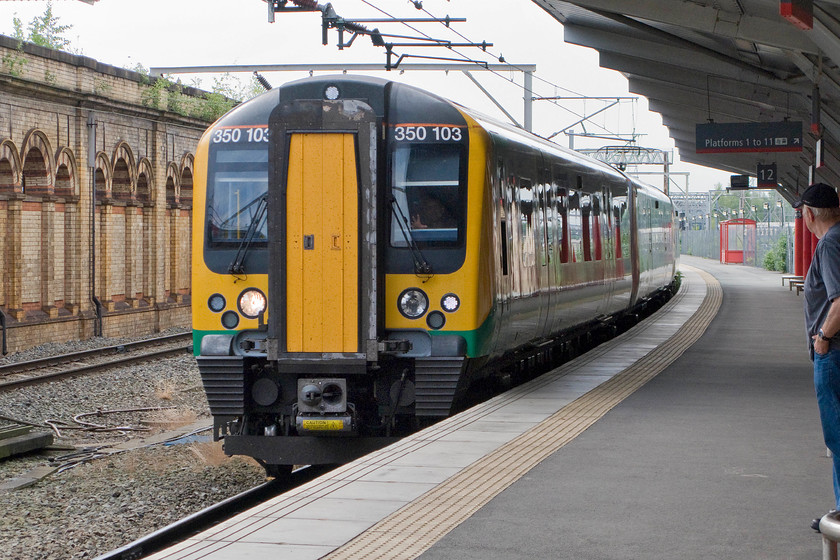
x: 366, y: 255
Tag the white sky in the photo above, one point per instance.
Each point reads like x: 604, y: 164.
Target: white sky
x: 160, y: 33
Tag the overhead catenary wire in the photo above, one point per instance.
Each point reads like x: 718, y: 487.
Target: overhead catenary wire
x: 500, y: 58
x: 519, y: 69
x: 332, y: 20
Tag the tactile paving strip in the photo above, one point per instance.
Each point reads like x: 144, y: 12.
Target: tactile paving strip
x: 416, y: 527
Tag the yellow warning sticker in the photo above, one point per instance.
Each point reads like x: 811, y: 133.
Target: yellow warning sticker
x: 323, y: 424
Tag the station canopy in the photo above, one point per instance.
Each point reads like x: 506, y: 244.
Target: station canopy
x: 718, y: 62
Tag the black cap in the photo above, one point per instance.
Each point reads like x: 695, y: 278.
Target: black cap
x: 818, y: 195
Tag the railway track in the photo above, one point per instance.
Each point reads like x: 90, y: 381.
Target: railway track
x: 206, y: 518
x: 33, y: 372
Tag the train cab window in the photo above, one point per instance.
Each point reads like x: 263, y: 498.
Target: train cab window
x: 237, y: 185
x: 428, y: 198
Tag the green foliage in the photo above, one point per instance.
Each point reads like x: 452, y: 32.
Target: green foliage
x: 776, y: 258
x: 18, y: 25
x: 143, y: 71
x: 166, y: 94
x: 226, y: 93
x: 677, y: 282
x: 14, y: 62
x: 102, y: 87
x: 153, y: 95
x: 213, y: 106
x: 44, y: 30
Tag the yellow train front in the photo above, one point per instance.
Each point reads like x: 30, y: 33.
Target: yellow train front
x: 363, y: 251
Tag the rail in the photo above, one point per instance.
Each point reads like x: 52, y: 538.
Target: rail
x: 79, y: 363
x: 206, y: 518
x: 830, y: 529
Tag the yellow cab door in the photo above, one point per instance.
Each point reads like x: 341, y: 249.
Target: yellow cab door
x: 322, y: 244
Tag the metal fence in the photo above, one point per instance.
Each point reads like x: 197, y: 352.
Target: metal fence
x: 706, y: 243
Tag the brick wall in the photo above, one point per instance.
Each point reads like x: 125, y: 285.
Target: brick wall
x: 129, y: 244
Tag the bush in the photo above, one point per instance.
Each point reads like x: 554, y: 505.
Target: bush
x: 776, y: 258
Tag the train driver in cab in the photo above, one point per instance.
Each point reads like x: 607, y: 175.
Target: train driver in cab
x: 429, y: 212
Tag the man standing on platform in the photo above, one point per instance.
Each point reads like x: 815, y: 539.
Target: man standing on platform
x: 821, y: 213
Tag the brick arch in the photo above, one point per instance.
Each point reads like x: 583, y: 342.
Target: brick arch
x: 10, y: 168
x: 185, y: 192
x: 103, y: 174
x: 38, y: 165
x: 124, y: 179
x: 145, y: 183
x: 65, y: 173
x: 173, y: 183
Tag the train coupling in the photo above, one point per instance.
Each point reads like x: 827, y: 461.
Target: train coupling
x: 322, y: 408
x: 395, y: 346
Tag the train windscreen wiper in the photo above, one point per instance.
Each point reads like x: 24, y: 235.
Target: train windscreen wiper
x: 421, y: 265
x: 238, y: 264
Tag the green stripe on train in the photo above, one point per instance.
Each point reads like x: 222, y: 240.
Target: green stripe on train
x: 198, y: 335
x: 477, y: 340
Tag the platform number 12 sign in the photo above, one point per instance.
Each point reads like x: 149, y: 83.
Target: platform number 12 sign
x: 767, y: 177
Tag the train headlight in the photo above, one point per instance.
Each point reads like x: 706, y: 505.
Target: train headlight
x: 251, y: 303
x: 216, y: 302
x: 413, y: 303
x: 332, y: 93
x: 450, y: 303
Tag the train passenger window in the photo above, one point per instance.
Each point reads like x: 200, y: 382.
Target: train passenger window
x: 621, y: 222
x: 237, y: 184
x: 595, y: 222
x: 561, y: 203
x: 546, y: 223
x: 527, y: 202
x: 586, y: 225
x: 575, y: 227
x: 427, y: 194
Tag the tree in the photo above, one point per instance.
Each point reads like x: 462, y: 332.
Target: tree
x: 44, y: 30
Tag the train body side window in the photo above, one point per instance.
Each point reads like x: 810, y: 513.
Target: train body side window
x: 527, y: 202
x: 503, y: 241
x: 607, y: 229
x: 595, y: 223
x: 546, y: 222
x: 561, y: 213
x: 575, y: 227
x: 621, y: 223
x: 586, y: 225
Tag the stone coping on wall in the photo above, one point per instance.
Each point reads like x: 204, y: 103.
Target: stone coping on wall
x: 86, y: 62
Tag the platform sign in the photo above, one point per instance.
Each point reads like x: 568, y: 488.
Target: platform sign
x: 739, y: 182
x: 767, y: 176
x: 725, y: 138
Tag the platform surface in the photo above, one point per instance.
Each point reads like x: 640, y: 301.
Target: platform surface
x: 720, y: 456
x: 672, y: 441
